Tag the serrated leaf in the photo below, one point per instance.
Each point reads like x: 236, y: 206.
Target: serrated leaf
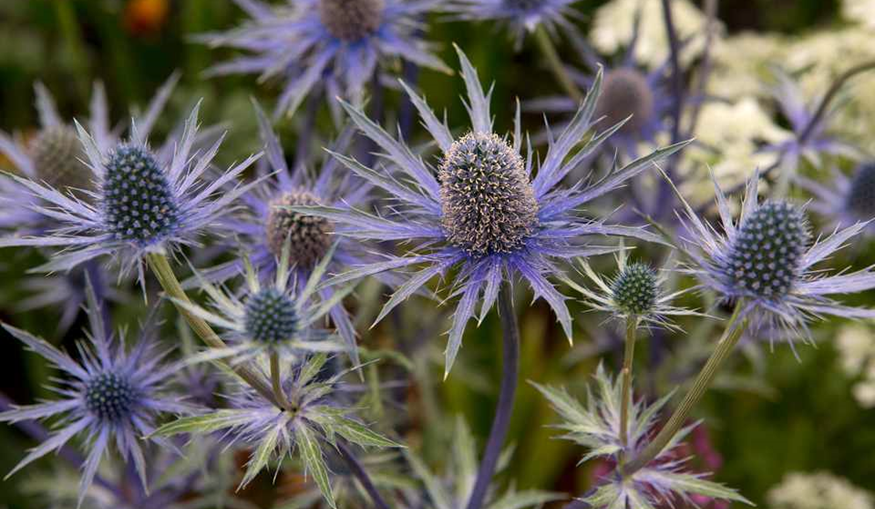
x: 522, y: 499
x: 688, y: 483
x: 360, y: 434
x: 439, y: 497
x: 265, y: 450
x: 311, y: 455
x: 203, y: 423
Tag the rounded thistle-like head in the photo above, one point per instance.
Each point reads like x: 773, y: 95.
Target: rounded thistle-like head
x: 110, y: 396
x: 351, y: 20
x: 523, y: 5
x: 57, y: 156
x: 861, y: 195
x: 309, y: 236
x: 625, y: 92
x: 764, y: 257
x: 487, y: 201
x: 634, y: 291
x: 270, y: 317
x: 138, y: 203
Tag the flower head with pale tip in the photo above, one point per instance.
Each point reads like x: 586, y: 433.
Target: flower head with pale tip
x: 481, y: 208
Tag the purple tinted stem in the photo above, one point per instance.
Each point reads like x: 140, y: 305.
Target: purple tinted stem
x: 510, y: 372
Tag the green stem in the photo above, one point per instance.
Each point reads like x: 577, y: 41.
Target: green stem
x: 731, y: 335
x: 160, y: 266
x: 73, y: 42
x: 631, y: 329
x: 276, y: 381
x: 542, y: 37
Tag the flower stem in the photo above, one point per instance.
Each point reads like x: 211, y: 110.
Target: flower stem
x: 731, y: 335
x: 631, y: 329
x: 160, y: 266
x: 510, y: 372
x: 275, y: 380
x: 556, y: 66
x: 361, y: 474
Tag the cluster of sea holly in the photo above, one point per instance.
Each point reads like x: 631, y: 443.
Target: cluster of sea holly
x: 477, y: 208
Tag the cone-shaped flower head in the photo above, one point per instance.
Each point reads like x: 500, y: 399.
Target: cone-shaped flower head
x: 310, y: 235
x: 270, y: 316
x: 351, y: 20
x: 861, y: 195
x: 487, y: 201
x: 481, y: 208
x: 627, y: 93
x: 57, y: 156
x: 519, y: 16
x: 845, y: 199
x: 635, y: 289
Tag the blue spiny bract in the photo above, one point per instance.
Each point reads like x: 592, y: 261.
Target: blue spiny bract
x: 351, y: 20
x: 137, y: 200
x: 488, y: 204
x: 271, y: 317
x: 635, y: 289
x: 764, y: 257
x: 309, y: 236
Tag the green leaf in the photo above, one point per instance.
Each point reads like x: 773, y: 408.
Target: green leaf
x: 352, y: 430
x: 439, y: 497
x: 203, y: 423
x: 513, y: 500
x: 687, y: 483
x: 265, y: 450
x: 311, y: 454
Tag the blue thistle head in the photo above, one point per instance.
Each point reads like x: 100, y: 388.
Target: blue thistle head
x: 110, y: 396
x: 861, y: 196
x: 626, y: 92
x: 351, y: 20
x: 270, y: 317
x: 523, y: 5
x: 57, y: 156
x: 487, y: 201
x: 764, y: 258
x: 635, y: 290
x: 309, y: 236
x: 138, y: 203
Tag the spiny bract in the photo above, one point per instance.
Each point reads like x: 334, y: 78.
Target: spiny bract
x: 625, y: 92
x: 109, y: 396
x: 764, y: 258
x: 488, y: 204
x: 309, y: 236
x: 635, y: 289
x: 57, y: 155
x: 861, y: 196
x: 351, y: 20
x: 270, y: 317
x: 137, y: 199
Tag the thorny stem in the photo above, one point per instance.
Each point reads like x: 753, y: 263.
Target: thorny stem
x: 276, y: 382
x: 734, y: 329
x: 542, y: 37
x: 631, y: 330
x: 509, y: 374
x: 164, y: 273
x: 361, y: 474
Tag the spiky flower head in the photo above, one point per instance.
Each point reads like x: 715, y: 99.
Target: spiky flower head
x: 487, y: 201
x: 270, y: 316
x: 351, y: 20
x: 635, y: 289
x: 861, y: 195
x: 765, y: 260
x: 57, y: 157
x: 482, y: 209
x: 110, y: 396
x: 143, y: 202
x: 596, y: 426
x: 764, y: 257
x: 310, y: 236
x: 311, y: 423
x: 520, y: 16
x: 627, y: 93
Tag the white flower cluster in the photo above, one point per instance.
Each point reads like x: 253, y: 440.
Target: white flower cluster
x: 820, y: 490
x: 856, y: 346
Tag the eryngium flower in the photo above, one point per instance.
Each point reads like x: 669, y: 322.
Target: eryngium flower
x: 110, y: 396
x: 264, y: 225
x: 272, y: 318
x: 484, y: 212
x: 520, y: 16
x: 766, y: 258
x: 313, y: 422
x: 336, y: 42
x: 635, y: 292
x: 596, y: 427
x: 142, y: 201
x: 847, y: 199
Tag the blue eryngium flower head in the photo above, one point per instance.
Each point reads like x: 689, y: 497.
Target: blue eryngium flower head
x: 143, y: 201
x: 481, y: 209
x: 271, y: 317
x: 334, y: 43
x: 520, y: 16
x: 596, y: 426
x: 846, y: 199
x: 111, y: 396
x: 766, y: 258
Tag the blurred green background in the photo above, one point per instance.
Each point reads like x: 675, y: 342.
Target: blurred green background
x: 790, y: 416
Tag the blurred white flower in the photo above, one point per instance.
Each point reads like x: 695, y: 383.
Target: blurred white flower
x: 856, y: 346
x: 859, y: 11
x: 733, y: 77
x: 821, y: 490
x: 614, y: 22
